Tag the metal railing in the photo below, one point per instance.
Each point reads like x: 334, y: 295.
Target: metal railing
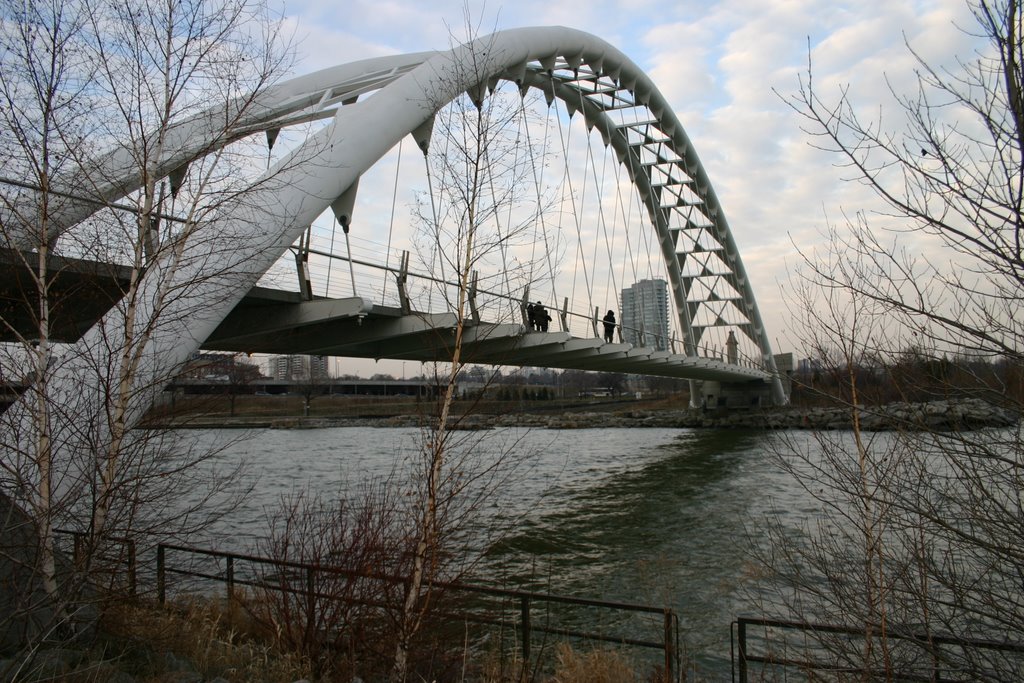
x: 928, y: 657
x: 517, y: 305
x: 228, y: 571
x: 125, y: 556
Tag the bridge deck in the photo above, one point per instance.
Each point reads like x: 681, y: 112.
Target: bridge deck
x: 280, y: 322
x: 266, y: 323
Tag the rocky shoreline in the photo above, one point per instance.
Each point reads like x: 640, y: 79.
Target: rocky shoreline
x: 946, y: 415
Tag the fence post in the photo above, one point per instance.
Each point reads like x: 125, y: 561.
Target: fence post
x: 132, y: 569
x: 231, y: 579
x: 669, y: 658
x: 524, y: 615
x: 741, y: 638
x: 310, y: 604
x: 161, y: 585
x: 402, y: 277
x: 522, y: 309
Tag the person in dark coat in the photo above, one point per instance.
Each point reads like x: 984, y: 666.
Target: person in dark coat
x: 541, y: 314
x: 609, y: 326
x: 531, y: 316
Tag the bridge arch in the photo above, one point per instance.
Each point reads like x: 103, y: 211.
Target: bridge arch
x: 375, y: 103
x: 593, y: 78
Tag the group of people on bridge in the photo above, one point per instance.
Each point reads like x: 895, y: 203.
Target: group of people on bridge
x: 538, y: 317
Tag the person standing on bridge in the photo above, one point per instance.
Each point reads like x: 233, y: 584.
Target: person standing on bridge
x: 531, y: 316
x: 609, y: 326
x: 542, y: 316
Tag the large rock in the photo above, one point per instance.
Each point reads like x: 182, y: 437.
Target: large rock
x: 25, y: 609
x: 28, y: 615
x: 948, y: 415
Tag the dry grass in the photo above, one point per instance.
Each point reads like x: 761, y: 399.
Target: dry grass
x: 570, y: 666
x: 217, y: 642
x: 202, y: 634
x: 593, y: 666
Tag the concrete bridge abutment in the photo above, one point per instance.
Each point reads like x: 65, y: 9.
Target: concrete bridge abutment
x: 715, y: 395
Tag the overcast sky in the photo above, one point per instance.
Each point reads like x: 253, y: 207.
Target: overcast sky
x: 719, y: 65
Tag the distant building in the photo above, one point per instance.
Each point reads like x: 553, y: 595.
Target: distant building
x: 284, y: 367
x: 644, y: 314
x: 209, y: 366
x: 227, y: 368
x: 297, y: 367
x: 317, y: 367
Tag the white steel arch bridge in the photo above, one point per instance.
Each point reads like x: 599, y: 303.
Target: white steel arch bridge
x: 359, y: 113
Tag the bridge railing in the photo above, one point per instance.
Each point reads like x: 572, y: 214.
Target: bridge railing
x: 765, y: 649
x: 529, y: 617
x: 379, y: 283
x: 114, y: 564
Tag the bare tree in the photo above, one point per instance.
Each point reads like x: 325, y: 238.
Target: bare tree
x: 77, y: 78
x: 918, y: 532
x: 240, y: 376
x: 312, y: 381
x: 476, y: 211
x: 336, y: 612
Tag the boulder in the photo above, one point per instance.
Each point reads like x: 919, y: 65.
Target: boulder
x: 29, y: 615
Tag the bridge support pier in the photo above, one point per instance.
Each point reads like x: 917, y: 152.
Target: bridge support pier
x: 733, y: 396
x: 713, y: 395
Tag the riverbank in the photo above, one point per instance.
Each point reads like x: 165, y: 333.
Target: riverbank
x: 945, y: 415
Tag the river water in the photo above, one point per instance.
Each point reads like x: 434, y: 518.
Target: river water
x: 656, y: 516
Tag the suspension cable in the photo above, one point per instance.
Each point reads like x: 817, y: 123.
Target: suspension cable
x: 391, y: 224
x: 599, y: 189
x: 629, y: 256
x: 589, y: 280
x: 330, y: 262
x: 609, y: 241
x: 565, y: 136
x: 503, y: 242
x: 434, y: 219
x: 538, y: 182
x: 351, y: 270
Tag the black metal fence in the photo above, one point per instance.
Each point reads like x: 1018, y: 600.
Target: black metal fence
x: 766, y: 649
x: 115, y: 565
x: 532, y: 616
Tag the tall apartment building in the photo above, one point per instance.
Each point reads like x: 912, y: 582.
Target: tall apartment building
x: 284, y: 367
x: 298, y: 367
x: 644, y: 315
x: 317, y: 366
